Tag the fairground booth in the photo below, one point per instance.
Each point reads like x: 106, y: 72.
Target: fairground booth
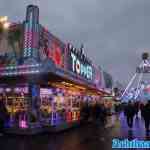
x: 43, y: 81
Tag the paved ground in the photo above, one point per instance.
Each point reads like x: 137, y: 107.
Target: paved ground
x: 90, y: 137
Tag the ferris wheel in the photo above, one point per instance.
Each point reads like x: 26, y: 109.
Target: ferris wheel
x: 136, y: 88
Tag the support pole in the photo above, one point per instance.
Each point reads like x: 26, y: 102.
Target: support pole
x: 128, y: 86
x: 137, y: 90
x: 131, y: 81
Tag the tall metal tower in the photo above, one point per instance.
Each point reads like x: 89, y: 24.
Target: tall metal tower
x: 31, y: 33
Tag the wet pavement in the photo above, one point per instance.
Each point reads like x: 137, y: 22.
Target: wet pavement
x: 89, y: 137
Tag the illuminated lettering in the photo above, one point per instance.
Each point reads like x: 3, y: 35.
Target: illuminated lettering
x: 73, y: 61
x: 89, y: 72
x: 80, y: 68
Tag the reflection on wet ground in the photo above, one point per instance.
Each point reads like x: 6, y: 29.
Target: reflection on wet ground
x: 90, y: 137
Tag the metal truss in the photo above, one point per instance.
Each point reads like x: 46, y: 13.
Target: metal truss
x: 142, y: 69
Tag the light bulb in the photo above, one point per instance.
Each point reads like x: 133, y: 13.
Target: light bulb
x: 6, y: 25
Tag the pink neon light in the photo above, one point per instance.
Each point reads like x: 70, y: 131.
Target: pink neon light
x: 8, y: 89
x: 23, y: 124
x: 28, y: 33
x: 35, y: 35
x: 21, y: 90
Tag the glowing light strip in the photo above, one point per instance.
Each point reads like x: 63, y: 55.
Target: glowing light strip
x: 17, y: 73
x: 20, y: 67
x: 26, y: 39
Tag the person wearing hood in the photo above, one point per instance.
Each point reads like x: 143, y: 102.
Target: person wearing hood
x: 129, y: 113
x: 146, y: 115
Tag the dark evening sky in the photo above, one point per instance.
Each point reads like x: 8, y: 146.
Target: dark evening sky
x: 114, y: 32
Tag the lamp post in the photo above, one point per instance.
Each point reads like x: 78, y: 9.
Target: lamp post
x: 3, y: 18
x: 4, y: 29
x: 4, y: 22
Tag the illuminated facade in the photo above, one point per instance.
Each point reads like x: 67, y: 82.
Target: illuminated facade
x: 43, y: 80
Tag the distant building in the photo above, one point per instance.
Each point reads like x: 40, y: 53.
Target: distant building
x: 108, y: 80
x: 118, y: 88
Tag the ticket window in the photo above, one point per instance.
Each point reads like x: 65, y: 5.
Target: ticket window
x: 76, y: 102
x: 59, y: 107
x: 46, y: 96
x: 76, y: 108
x: 16, y: 102
x: 45, y: 107
x: 68, y: 103
x: 52, y: 108
x: 73, y: 110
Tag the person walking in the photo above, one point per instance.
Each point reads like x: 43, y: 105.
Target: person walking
x: 3, y: 116
x: 146, y: 115
x: 103, y: 114
x: 96, y: 110
x: 85, y: 112
x: 130, y: 112
x: 141, y: 109
x: 136, y: 107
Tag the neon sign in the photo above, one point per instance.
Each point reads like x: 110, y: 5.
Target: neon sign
x: 84, y: 70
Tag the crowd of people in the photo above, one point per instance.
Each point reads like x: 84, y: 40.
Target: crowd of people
x: 132, y: 109
x: 96, y: 113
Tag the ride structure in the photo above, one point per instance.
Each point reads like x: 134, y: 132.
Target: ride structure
x: 138, y: 87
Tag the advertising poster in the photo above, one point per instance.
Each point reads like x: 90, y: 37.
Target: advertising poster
x: 51, y: 48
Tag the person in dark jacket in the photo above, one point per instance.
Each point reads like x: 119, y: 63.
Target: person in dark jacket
x: 146, y: 116
x: 130, y: 112
x: 85, y: 112
x: 142, y: 110
x: 103, y: 114
x: 96, y: 111
x: 3, y: 115
x: 136, y: 107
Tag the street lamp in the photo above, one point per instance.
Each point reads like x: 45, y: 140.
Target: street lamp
x: 4, y: 22
x: 3, y: 19
x: 6, y: 25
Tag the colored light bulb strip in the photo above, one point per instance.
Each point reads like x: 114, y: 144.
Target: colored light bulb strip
x: 28, y: 40
x: 20, y: 67
x: 20, y: 72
